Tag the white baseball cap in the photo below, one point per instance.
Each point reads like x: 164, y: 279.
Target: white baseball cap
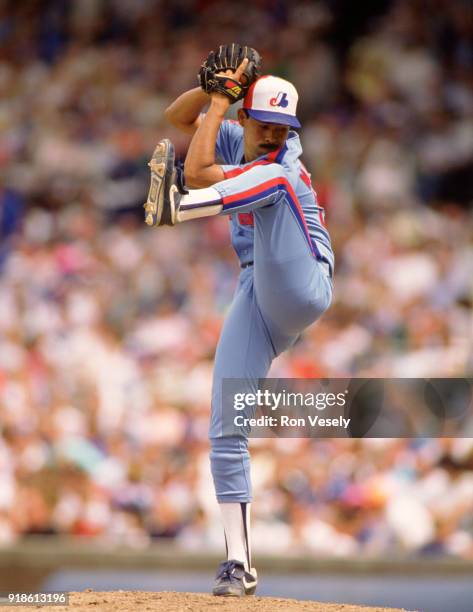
x: 272, y: 100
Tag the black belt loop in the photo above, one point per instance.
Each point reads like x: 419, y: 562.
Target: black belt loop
x: 246, y: 265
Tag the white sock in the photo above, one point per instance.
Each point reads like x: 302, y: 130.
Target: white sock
x: 199, y: 203
x: 235, y: 517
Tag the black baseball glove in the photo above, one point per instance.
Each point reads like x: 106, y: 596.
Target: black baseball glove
x: 229, y: 57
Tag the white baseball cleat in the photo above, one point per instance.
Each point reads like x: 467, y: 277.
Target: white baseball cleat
x: 166, y: 186
x: 232, y: 580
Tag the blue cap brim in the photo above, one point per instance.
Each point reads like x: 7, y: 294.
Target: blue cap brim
x: 270, y: 117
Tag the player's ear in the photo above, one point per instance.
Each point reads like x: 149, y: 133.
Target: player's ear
x: 242, y: 116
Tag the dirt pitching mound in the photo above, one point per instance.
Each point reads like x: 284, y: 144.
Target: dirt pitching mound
x: 131, y: 601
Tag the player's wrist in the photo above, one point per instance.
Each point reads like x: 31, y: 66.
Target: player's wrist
x: 219, y: 103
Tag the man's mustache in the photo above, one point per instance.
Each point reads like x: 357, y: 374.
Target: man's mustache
x: 270, y: 147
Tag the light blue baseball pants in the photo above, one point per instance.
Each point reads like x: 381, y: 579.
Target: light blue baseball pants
x: 285, y: 291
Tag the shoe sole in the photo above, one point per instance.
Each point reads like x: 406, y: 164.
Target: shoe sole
x: 157, y: 209
x: 229, y: 591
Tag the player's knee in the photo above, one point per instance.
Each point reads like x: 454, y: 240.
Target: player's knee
x: 322, y: 300
x: 293, y: 311
x: 317, y: 303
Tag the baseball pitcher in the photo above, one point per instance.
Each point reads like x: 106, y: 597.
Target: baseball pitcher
x: 250, y: 170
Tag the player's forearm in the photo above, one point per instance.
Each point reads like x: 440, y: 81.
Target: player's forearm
x: 184, y: 112
x: 200, y: 168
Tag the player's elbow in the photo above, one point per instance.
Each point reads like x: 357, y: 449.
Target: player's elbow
x: 202, y: 176
x: 175, y: 120
x: 171, y: 117
x: 194, y: 177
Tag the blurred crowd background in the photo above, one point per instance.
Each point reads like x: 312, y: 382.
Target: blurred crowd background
x: 108, y: 328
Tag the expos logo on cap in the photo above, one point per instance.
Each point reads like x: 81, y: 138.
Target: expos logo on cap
x: 272, y: 100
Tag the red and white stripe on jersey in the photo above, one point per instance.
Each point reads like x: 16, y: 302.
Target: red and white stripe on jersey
x: 266, y: 190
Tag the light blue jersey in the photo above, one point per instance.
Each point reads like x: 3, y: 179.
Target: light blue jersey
x: 310, y: 215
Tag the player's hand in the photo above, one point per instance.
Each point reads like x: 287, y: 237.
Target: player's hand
x: 238, y: 76
x: 226, y: 72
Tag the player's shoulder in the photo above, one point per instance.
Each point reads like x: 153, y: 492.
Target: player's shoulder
x: 231, y: 127
x: 290, y: 153
x: 230, y: 131
x: 229, y: 142
x: 293, y: 140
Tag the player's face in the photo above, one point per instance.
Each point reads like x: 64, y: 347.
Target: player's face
x: 261, y: 138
